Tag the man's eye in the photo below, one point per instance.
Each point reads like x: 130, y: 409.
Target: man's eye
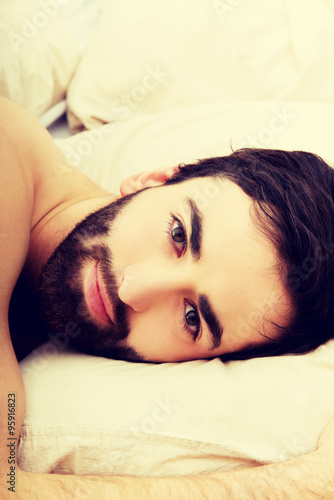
x: 178, y: 236
x: 192, y: 320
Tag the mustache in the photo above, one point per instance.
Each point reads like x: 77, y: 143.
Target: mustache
x: 104, y: 256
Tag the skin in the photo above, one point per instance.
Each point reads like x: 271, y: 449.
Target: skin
x: 42, y: 198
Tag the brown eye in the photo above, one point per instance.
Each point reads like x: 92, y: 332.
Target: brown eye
x: 192, y: 320
x: 178, y: 237
x: 178, y: 234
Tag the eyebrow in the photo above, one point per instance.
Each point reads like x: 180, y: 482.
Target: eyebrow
x: 196, y: 222
x: 211, y: 320
x: 210, y: 317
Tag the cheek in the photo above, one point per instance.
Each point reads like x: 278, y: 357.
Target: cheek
x: 157, y: 338
x: 152, y: 331
x: 136, y: 238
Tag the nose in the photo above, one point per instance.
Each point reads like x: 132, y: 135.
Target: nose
x: 144, y: 283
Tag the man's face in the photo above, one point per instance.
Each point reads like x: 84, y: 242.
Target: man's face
x: 171, y: 273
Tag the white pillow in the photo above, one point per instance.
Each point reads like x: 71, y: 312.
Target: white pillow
x: 114, y: 151
x: 152, y: 57
x: 89, y: 415
x: 38, y: 53
x: 92, y: 415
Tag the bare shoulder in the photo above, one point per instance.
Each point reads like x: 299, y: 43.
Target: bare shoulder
x: 29, y: 188
x: 47, y: 174
x: 16, y: 201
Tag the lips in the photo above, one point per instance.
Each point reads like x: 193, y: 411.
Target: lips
x: 96, y: 297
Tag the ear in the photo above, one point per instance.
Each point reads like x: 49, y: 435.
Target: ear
x: 143, y: 180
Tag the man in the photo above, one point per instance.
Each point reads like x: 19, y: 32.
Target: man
x: 155, y: 276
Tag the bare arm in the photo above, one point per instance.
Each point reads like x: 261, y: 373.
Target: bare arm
x: 307, y: 477
x: 15, y: 215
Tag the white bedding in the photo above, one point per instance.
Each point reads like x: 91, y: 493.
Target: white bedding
x: 149, y: 57
x: 253, y: 73
x: 38, y: 54
x: 93, y: 415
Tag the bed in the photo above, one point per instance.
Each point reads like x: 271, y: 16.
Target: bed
x: 131, y: 86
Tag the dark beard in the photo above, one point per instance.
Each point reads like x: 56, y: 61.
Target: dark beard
x: 60, y: 288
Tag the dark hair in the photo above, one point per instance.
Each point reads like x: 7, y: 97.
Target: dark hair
x: 292, y: 195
